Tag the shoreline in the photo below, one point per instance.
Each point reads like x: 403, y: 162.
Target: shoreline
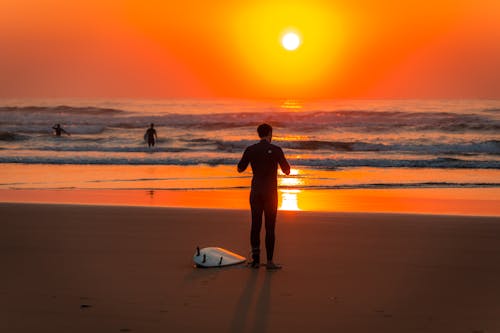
x: 203, y: 186
x: 314, y: 214
x: 460, y: 202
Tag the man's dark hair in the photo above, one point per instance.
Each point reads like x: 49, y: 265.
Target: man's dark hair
x: 264, y: 130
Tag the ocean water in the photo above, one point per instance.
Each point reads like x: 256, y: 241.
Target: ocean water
x: 443, y: 136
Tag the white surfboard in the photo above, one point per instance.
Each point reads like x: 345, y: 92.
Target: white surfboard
x: 216, y: 257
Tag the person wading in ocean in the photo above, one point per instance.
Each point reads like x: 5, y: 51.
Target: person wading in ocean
x: 150, y: 136
x: 264, y: 158
x: 58, y: 130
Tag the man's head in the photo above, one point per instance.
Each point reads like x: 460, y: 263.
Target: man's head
x: 265, y: 131
x: 152, y: 125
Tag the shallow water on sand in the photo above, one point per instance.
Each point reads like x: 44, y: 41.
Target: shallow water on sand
x: 351, y: 189
x: 334, y: 147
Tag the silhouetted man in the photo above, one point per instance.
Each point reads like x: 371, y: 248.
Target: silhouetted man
x: 150, y: 136
x: 58, y: 130
x: 264, y: 158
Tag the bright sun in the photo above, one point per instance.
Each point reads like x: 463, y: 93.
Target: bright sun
x: 290, y: 41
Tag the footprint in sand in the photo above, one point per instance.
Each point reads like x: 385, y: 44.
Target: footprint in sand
x: 382, y: 312
x: 334, y: 299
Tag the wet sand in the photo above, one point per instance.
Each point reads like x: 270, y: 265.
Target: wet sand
x: 75, y: 268
x: 442, y: 201
x: 222, y: 187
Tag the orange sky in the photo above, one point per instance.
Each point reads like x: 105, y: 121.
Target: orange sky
x: 160, y: 48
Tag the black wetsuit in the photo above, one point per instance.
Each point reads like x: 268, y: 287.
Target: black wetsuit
x: 150, y: 134
x: 59, y: 130
x: 264, y: 158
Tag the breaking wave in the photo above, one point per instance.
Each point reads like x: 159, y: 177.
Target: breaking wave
x: 324, y: 163
x: 406, y: 134
x: 357, y: 120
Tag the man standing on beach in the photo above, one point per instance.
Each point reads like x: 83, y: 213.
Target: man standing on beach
x: 264, y: 158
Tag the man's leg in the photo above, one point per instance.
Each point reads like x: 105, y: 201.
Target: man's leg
x: 270, y: 210
x: 256, y: 204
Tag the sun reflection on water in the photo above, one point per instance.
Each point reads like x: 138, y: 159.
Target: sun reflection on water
x: 289, y: 195
x: 289, y: 200
x: 293, y: 179
x: 291, y: 105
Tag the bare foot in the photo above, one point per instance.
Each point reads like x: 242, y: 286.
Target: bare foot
x: 272, y: 266
x: 253, y: 264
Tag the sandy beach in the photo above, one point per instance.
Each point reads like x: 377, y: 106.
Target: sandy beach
x: 74, y: 268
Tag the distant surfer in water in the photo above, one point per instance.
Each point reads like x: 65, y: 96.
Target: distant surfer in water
x: 58, y: 130
x: 264, y: 159
x: 150, y: 136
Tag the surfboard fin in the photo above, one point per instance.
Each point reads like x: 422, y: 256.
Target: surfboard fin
x: 220, y: 261
x: 204, y: 258
x: 197, y: 251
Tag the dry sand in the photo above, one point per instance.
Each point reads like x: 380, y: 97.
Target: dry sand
x: 68, y: 268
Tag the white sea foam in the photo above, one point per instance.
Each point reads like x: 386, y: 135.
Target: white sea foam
x: 383, y: 134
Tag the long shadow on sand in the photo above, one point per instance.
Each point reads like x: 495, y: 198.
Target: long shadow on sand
x: 242, y: 309
x: 263, y: 305
x: 242, y: 318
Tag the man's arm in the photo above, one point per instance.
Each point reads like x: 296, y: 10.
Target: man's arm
x: 245, y: 159
x: 65, y: 132
x: 285, y: 167
x: 156, y: 136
